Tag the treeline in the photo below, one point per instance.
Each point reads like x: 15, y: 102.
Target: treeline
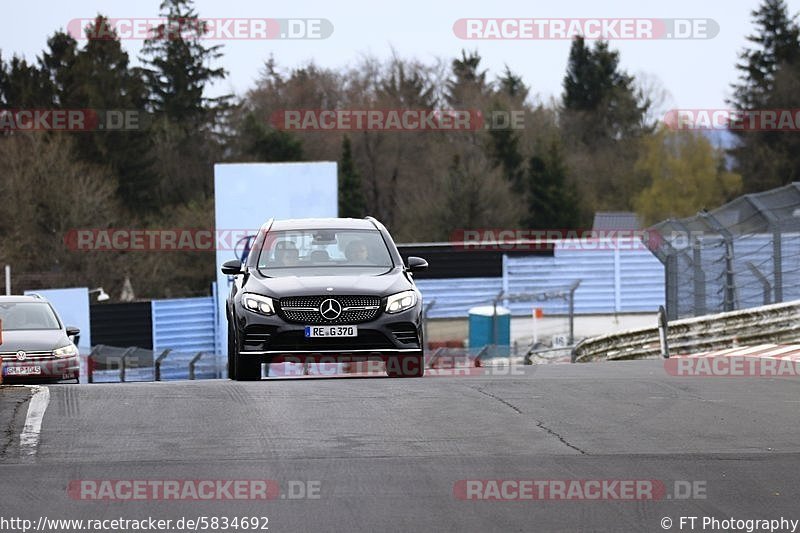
x: 600, y: 146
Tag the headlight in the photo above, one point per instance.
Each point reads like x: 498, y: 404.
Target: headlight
x: 258, y: 304
x: 66, y: 351
x: 401, y: 301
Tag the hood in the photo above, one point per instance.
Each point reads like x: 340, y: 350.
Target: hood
x: 362, y: 284
x: 37, y: 340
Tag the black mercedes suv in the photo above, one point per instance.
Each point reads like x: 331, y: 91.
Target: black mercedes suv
x: 324, y: 290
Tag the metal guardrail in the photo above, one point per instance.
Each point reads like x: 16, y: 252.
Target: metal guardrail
x: 776, y: 323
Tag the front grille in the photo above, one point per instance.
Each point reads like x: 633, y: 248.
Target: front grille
x: 30, y: 356
x: 297, y: 341
x: 405, y: 333
x: 305, y: 309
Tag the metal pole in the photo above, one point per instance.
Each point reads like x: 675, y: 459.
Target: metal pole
x: 8, y: 280
x: 194, y: 362
x: 494, y: 318
x: 572, y: 312
x: 125, y: 355
x: 159, y: 359
x: 777, y: 263
x: 671, y: 285
x: 663, y: 331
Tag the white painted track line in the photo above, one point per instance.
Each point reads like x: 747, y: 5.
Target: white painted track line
x: 29, y: 438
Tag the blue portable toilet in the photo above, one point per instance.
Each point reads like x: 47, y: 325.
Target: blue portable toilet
x: 482, y: 327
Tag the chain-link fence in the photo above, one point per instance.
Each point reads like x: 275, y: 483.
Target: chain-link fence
x: 743, y: 254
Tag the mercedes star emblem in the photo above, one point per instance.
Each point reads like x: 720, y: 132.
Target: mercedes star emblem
x: 21, y: 355
x: 330, y: 309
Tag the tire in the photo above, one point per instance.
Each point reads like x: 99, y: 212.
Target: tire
x: 406, y: 366
x: 245, y: 368
x: 231, y: 352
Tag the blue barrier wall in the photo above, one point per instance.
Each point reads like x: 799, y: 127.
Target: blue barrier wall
x: 612, y: 281
x: 184, y: 324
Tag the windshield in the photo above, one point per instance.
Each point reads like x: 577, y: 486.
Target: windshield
x: 28, y: 315
x: 324, y: 252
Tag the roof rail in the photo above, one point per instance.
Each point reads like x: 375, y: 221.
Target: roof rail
x: 36, y: 295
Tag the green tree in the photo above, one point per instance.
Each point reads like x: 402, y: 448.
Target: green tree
x: 99, y: 77
x: 191, y: 128
x: 769, y: 79
x: 504, y: 140
x: 24, y: 85
x: 552, y: 200
x: 603, y: 116
x: 258, y: 142
x: 599, y: 97
x: 351, y: 193
x: 468, y: 86
x: 685, y: 174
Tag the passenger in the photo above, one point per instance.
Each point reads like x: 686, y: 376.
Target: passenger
x: 286, y: 254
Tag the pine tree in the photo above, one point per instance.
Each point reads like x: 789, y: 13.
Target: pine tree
x: 179, y: 67
x: 504, y: 142
x: 601, y: 98
x: 769, y: 79
x: 552, y: 200
x: 99, y: 77
x: 190, y: 129
x: 351, y: 193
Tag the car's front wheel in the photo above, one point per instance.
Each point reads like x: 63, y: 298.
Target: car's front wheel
x: 406, y: 366
x: 231, y: 352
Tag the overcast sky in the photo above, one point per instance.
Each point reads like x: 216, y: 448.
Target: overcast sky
x: 696, y: 73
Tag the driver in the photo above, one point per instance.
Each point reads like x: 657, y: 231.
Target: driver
x: 357, y: 252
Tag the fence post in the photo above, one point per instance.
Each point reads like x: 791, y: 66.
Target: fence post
x: 90, y: 364
x: 572, y: 290
x: 699, y: 276
x: 125, y: 355
x: 766, y: 288
x: 160, y: 358
x: 193, y: 362
x: 730, y: 287
x: 671, y: 285
x: 663, y: 331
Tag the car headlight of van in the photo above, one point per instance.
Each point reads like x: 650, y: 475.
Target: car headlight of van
x: 258, y: 304
x: 401, y: 301
x: 70, y: 350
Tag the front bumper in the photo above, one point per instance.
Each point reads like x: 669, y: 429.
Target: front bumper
x: 275, y: 339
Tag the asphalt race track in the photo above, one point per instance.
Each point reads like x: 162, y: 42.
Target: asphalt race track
x: 381, y: 454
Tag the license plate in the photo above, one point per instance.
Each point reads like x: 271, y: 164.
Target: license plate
x: 22, y: 371
x: 331, y: 331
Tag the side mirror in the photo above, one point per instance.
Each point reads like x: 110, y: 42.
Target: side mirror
x: 232, y: 267
x: 415, y: 264
x: 74, y: 334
